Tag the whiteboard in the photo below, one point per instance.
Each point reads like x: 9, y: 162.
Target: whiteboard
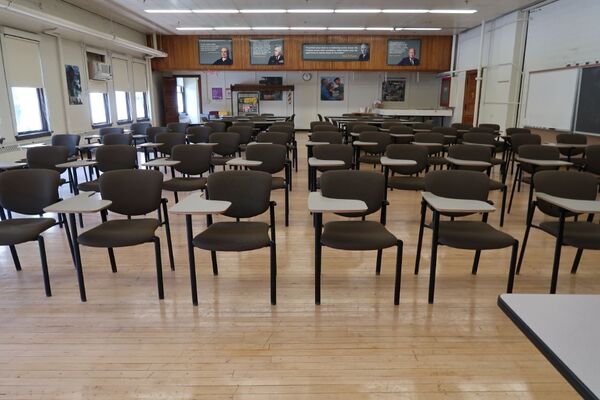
x: 551, y: 99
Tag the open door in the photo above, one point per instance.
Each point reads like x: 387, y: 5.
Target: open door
x: 169, y: 85
x: 469, y: 100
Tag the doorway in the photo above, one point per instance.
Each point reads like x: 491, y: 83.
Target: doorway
x: 469, y: 99
x: 182, y: 99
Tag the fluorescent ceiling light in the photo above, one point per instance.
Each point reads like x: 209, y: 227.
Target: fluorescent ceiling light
x: 307, y: 28
x: 419, y: 29
x: 311, y: 11
x: 403, y: 11
x: 270, y: 28
x: 358, y: 10
x: 192, y: 28
x: 168, y: 11
x: 379, y: 29
x: 216, y: 11
x: 232, y: 28
x: 348, y: 28
x: 262, y: 11
x: 453, y: 11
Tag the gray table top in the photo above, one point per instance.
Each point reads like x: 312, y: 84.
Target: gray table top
x: 566, y: 329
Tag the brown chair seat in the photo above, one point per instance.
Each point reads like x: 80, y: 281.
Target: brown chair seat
x: 90, y: 186
x: 357, y: 235
x: 234, y: 236
x: 181, y: 184
x: 21, y: 230
x: 496, y: 185
x: 473, y: 235
x: 216, y: 160
x: 407, y: 182
x: 436, y: 160
x: 277, y: 182
x: 120, y: 233
x: 370, y: 158
x: 584, y: 235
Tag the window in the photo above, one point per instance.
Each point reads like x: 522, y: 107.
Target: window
x: 99, y: 108
x: 141, y: 106
x: 180, y: 99
x: 30, y: 110
x: 122, y: 102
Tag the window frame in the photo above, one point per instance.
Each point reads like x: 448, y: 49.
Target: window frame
x: 177, y: 91
x: 145, y: 105
x: 106, y: 112
x: 128, y: 104
x: 45, y: 131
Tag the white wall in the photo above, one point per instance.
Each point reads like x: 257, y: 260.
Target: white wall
x: 361, y: 89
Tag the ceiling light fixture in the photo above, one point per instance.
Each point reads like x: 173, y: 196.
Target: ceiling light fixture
x: 357, y: 11
x: 232, y: 28
x: 452, y: 11
x: 193, y: 28
x: 379, y: 29
x: 168, y: 11
x: 347, y: 28
x: 270, y: 28
x: 262, y: 11
x: 419, y: 29
x: 403, y: 11
x: 311, y: 11
x: 307, y: 28
x: 216, y: 11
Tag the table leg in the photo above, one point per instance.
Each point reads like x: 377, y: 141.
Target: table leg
x: 192, y: 260
x: 78, y: 266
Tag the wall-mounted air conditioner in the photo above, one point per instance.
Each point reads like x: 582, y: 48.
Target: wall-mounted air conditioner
x: 99, y: 71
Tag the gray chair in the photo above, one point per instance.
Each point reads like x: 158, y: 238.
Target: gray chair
x: 332, y: 137
x: 330, y: 152
x: 434, y: 145
x: 153, y: 131
x: 468, y: 235
x: 512, y: 131
x: 133, y: 193
x: 568, y: 153
x: 274, y: 160
x: 494, y: 127
x: 592, y: 159
x: 273, y: 137
x: 198, y: 134
x: 194, y: 162
x: 391, y: 124
x: 169, y: 140
x: 488, y: 140
x: 478, y: 153
x: 47, y: 157
x: 408, y: 134
x: 140, y: 128
x: 450, y: 134
x: 406, y: 177
x: 109, y: 130
x: 314, y: 124
x: 28, y: 192
x: 583, y: 235
x: 324, y: 128
x: 246, y: 134
x: 69, y: 141
x: 372, y: 154
x: 250, y: 195
x: 292, y: 145
x: 111, y: 158
x: 461, y: 126
x: 112, y: 139
x: 179, y: 127
x: 355, y: 235
x: 423, y: 126
x: 517, y: 140
x: 227, y: 146
x: 217, y: 126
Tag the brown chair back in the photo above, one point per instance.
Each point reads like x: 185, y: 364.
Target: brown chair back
x: 273, y: 157
x: 28, y: 191
x: 457, y: 184
x: 567, y: 184
x: 327, y: 136
x: 382, y: 139
x: 199, y: 134
x: 133, y: 191
x: 228, y: 143
x: 115, y: 157
x: 193, y: 159
x: 66, y: 140
x: 169, y: 140
x: 248, y: 191
x: 273, y: 137
x: 357, y: 185
x: 408, y: 152
x: 116, y: 139
x: 46, y: 157
x: 179, y: 127
x: 335, y: 152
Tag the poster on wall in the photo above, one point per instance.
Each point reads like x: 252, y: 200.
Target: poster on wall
x: 73, y: 84
x: 266, y: 52
x: 404, y: 53
x: 393, y: 90
x: 217, y: 93
x: 336, y: 52
x: 332, y: 88
x: 271, y: 95
x: 445, y: 92
x: 215, y: 51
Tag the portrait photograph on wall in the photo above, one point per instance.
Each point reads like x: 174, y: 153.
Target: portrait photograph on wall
x: 336, y: 52
x: 215, y: 51
x: 393, y: 90
x: 332, y: 88
x: 73, y: 84
x: 266, y: 52
x: 404, y: 53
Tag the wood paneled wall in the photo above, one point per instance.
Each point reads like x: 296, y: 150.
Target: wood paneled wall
x: 183, y: 53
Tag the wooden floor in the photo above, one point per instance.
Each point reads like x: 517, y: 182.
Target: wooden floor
x: 126, y: 344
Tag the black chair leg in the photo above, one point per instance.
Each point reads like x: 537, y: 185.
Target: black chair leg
x: 476, y: 262
x: 69, y: 240
x: 176, y: 197
x: 511, y: 272
x: 287, y: 206
x: 44, y: 266
x: 398, y: 272
x: 213, y: 257
x: 378, y: 264
x: 557, y: 251
x: 81, y: 220
x: 434, y: 246
x: 318, y: 248
x: 113, y: 263
x: 502, y: 212
x: 420, y: 240
x: 15, y: 257
x: 576, y: 261
x: 525, y: 238
x: 168, y: 232
x: 512, y: 191
x: 191, y: 258
x: 273, y: 273
x: 159, y: 276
